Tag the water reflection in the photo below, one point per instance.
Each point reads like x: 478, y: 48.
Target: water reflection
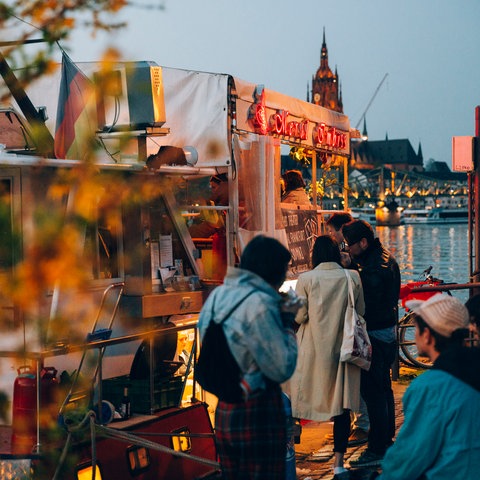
x: 416, y: 247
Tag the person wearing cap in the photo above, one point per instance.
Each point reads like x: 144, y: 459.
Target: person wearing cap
x: 380, y: 277
x: 211, y: 221
x: 439, y: 438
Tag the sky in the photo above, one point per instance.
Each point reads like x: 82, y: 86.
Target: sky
x: 428, y: 48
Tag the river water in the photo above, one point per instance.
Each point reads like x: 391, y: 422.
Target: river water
x: 416, y: 247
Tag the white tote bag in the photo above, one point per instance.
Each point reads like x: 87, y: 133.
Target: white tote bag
x: 356, y: 347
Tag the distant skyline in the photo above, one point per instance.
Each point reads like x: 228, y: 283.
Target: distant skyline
x: 429, y: 48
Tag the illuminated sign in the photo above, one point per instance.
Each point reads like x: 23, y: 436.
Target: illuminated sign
x: 330, y: 137
x: 280, y: 123
x: 257, y: 113
x: 277, y: 123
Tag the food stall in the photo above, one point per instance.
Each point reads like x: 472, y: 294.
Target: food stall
x: 134, y: 239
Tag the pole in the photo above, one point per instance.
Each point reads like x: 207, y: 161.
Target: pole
x: 43, y: 138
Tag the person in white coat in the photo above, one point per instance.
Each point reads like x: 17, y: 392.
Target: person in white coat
x: 322, y: 387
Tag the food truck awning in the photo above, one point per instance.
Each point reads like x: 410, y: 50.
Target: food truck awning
x: 197, y: 114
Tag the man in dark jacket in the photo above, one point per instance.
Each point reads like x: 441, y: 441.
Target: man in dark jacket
x: 381, y: 287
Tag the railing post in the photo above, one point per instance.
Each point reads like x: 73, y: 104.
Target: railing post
x: 396, y: 362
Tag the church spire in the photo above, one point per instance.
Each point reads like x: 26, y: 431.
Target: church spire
x: 326, y: 89
x: 365, y: 133
x: 420, y: 153
x: 324, y: 54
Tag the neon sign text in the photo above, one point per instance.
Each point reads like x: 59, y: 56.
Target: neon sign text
x: 329, y: 136
x: 280, y: 126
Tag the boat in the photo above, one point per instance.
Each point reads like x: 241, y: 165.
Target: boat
x: 380, y: 217
x: 364, y: 213
x: 438, y: 215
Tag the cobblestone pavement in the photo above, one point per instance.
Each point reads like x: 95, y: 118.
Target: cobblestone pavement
x: 313, y: 438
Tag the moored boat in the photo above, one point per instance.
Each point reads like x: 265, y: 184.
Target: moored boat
x: 437, y: 215
x: 364, y: 213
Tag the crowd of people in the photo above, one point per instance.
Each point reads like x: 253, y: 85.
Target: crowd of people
x: 294, y: 345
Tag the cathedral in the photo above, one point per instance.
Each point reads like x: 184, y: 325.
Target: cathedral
x: 326, y: 90
x: 369, y: 157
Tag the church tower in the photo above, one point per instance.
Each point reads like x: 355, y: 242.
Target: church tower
x: 326, y: 90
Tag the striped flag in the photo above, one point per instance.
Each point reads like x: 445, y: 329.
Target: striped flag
x: 76, y: 123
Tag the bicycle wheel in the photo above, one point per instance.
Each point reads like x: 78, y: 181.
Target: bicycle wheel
x: 406, y: 342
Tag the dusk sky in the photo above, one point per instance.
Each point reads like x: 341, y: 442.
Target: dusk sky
x: 430, y: 50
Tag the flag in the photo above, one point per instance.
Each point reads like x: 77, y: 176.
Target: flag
x: 76, y: 124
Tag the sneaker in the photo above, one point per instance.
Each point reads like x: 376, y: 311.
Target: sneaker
x: 367, y: 459
x: 357, y: 437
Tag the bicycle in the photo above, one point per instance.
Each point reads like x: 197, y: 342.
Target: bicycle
x: 408, y: 352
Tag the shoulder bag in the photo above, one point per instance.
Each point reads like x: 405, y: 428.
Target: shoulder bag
x: 356, y: 347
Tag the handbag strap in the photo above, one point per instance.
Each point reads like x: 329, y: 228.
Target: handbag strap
x: 351, y: 297
x: 233, y: 308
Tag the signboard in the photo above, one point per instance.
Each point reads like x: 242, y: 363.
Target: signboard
x: 301, y: 227
x: 462, y: 154
x: 294, y: 121
x: 279, y: 122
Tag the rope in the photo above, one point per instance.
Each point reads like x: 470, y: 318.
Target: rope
x: 95, y: 429
x: 93, y: 439
x: 63, y: 456
x: 89, y: 416
x: 129, y: 438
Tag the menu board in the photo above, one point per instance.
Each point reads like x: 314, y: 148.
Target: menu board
x: 301, y: 227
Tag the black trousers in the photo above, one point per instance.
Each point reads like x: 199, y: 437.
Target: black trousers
x: 376, y: 390
x: 341, y: 431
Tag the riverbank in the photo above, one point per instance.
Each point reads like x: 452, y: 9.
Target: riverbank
x: 313, y: 438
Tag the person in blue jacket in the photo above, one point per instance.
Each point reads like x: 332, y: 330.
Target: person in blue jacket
x: 440, y: 437
x: 251, y: 433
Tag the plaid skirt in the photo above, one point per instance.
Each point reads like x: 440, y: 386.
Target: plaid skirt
x: 251, y: 437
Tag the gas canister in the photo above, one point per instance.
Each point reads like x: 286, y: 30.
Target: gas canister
x: 24, y: 412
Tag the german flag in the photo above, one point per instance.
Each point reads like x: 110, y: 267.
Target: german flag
x: 75, y: 126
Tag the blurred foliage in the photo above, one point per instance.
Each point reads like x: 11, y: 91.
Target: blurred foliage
x: 52, y: 22
x: 43, y: 248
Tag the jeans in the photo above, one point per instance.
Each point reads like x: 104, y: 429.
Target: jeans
x: 376, y: 390
x: 359, y: 418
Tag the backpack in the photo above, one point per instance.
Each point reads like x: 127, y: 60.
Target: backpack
x: 216, y: 369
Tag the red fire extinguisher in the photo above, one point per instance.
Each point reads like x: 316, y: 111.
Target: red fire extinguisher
x: 24, y: 413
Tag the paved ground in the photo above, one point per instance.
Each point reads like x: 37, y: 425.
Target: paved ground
x: 313, y: 438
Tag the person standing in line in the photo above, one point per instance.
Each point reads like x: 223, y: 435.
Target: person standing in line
x: 251, y: 434
x: 439, y: 438
x: 360, y: 423
x: 322, y: 386
x: 473, y: 307
x: 295, y: 188
x: 381, y: 287
x: 333, y: 227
